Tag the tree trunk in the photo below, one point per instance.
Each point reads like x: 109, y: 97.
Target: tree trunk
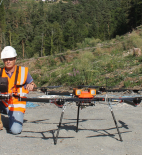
x: 10, y: 38
x: 23, y: 48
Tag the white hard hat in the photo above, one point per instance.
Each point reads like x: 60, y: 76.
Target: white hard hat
x: 8, y: 52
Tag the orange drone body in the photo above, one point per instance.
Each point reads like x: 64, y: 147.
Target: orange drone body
x: 90, y: 93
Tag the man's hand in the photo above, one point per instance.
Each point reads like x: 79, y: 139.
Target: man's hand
x: 30, y: 86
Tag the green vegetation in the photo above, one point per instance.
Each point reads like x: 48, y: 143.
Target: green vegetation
x: 92, y: 65
x: 79, y: 42
x: 37, y: 28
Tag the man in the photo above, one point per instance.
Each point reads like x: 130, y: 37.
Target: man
x: 20, y: 82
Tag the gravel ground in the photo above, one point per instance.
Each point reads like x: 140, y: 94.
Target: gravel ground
x: 97, y: 133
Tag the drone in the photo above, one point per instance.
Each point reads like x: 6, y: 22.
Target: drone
x: 82, y: 97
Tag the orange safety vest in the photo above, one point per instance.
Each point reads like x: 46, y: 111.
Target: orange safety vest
x: 13, y: 104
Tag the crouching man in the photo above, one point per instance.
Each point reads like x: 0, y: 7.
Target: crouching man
x: 17, y: 76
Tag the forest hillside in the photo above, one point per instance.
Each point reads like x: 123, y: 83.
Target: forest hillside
x: 75, y: 42
x: 91, y: 65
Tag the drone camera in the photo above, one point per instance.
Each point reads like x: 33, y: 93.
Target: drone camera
x: 92, y: 91
x: 77, y: 92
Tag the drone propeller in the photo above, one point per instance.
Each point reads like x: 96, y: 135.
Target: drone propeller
x: 59, y: 93
x: 85, y: 86
x: 50, y: 87
x: 44, y: 89
x: 119, y: 90
x: 104, y: 89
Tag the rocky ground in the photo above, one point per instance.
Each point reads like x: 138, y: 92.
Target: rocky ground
x: 97, y: 133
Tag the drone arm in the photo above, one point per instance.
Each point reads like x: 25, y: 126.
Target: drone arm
x: 57, y: 102
x: 135, y: 101
x: 60, y: 101
x: 131, y: 101
x: 35, y: 99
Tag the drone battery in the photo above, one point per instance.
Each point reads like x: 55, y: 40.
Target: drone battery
x: 3, y: 84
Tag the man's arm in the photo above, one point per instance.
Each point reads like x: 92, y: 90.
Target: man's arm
x: 30, y: 83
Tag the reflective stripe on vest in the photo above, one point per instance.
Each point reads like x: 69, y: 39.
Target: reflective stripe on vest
x: 13, y: 104
x: 21, y: 93
x: 17, y: 105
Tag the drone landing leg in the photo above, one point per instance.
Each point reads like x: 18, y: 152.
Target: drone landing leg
x: 115, y: 121
x: 77, y: 117
x: 59, y: 126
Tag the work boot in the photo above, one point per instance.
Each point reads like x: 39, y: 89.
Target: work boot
x: 1, y: 125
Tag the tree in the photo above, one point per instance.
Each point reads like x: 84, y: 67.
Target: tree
x: 54, y: 42
x: 69, y: 33
x: 135, y: 14
x: 2, y: 25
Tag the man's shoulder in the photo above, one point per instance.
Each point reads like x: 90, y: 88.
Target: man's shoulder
x: 22, y: 67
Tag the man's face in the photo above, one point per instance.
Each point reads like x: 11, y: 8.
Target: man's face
x: 9, y: 62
